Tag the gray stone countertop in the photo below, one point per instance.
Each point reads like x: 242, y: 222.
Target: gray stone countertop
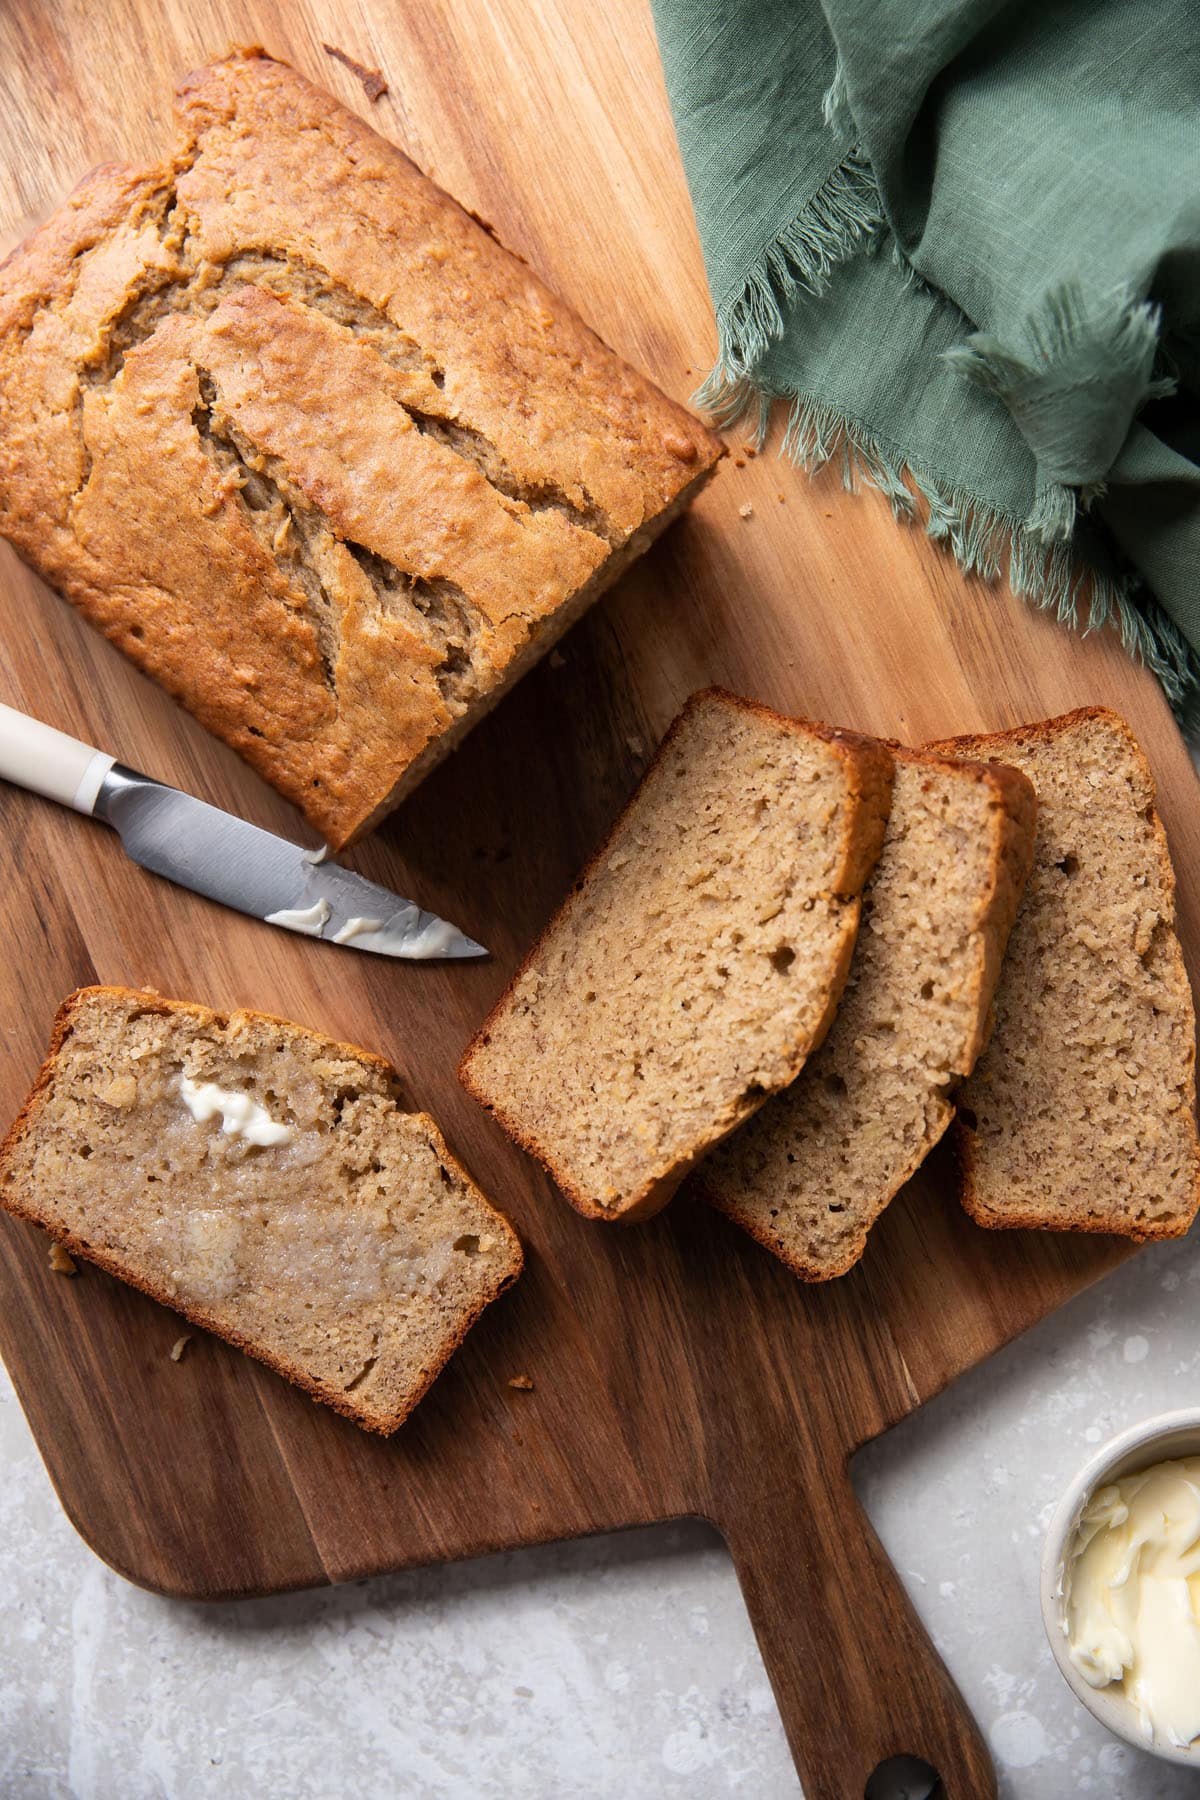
x: 623, y: 1666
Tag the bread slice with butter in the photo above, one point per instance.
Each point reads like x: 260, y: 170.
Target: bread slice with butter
x: 267, y: 1183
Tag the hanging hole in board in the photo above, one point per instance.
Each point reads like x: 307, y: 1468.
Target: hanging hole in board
x: 904, y: 1778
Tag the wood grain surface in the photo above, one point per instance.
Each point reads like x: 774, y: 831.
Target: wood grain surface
x: 676, y: 1368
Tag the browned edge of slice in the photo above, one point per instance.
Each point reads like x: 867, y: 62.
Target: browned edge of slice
x: 1011, y: 861
x: 869, y: 762
x: 197, y: 1315
x: 992, y: 744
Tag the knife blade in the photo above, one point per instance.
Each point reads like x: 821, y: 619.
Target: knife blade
x: 216, y: 854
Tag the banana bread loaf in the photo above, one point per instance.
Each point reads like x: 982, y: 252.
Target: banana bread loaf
x: 1080, y: 1115
x: 310, y: 447
x: 266, y: 1182
x: 697, y: 961
x: 809, y: 1174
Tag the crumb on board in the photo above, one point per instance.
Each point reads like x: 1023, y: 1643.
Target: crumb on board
x: 524, y: 1382
x: 739, y: 462
x: 750, y: 451
x: 557, y: 660
x: 179, y: 1346
x: 60, y: 1261
x: 782, y: 499
x: 635, y: 746
x: 373, y: 84
x: 746, y: 511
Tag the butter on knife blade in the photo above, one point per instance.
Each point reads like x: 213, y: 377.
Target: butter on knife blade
x: 219, y: 855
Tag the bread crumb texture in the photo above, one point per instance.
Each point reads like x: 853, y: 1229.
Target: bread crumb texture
x: 352, y: 1258
x: 810, y: 1173
x: 310, y: 447
x: 1081, y: 1112
x: 698, y: 960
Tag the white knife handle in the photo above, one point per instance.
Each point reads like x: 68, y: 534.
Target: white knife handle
x: 49, y: 762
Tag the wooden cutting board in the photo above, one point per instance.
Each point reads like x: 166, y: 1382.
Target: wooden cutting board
x: 676, y: 1368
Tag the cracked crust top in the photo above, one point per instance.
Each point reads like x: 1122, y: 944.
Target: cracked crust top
x: 308, y: 445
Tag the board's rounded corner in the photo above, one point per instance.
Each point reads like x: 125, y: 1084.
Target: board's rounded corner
x: 166, y: 1585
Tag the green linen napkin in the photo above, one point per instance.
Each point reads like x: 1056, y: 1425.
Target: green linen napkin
x: 961, y: 239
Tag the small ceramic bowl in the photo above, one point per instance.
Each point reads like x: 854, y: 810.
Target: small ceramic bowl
x: 1155, y: 1440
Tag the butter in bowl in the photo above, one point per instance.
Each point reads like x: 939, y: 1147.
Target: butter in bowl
x: 1121, y: 1586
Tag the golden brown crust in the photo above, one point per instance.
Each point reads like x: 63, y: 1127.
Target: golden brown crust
x: 1011, y: 864
x: 309, y: 446
x: 1016, y: 1219
x: 25, y: 1120
x: 992, y: 745
x: 1041, y: 730
x: 870, y: 764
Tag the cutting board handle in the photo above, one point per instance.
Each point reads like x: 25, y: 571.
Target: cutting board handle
x: 855, y: 1676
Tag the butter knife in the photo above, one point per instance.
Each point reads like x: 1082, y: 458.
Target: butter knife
x: 220, y: 856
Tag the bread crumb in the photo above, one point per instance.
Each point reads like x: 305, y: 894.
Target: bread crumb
x: 739, y: 462
x: 751, y: 452
x: 524, y: 1382
x: 373, y: 84
x: 179, y: 1346
x: 121, y: 1091
x: 635, y: 746
x: 746, y: 512
x: 557, y: 660
x: 60, y: 1261
x: 783, y: 499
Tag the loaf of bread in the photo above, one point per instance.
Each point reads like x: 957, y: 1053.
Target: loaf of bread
x: 310, y: 447
x: 267, y: 1183
x: 697, y: 961
x: 810, y: 1173
x: 1080, y: 1115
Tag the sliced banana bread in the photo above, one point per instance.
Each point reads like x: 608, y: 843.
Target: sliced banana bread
x: 1080, y: 1115
x: 266, y: 1182
x: 811, y: 1172
x: 697, y: 961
